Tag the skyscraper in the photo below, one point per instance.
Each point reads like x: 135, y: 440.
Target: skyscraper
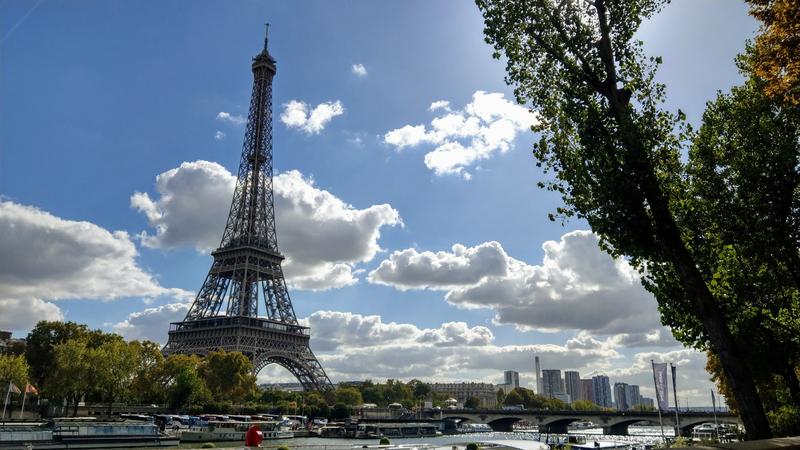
x: 587, y: 391
x: 538, y: 375
x: 551, y: 382
x: 511, y: 379
x: 620, y: 399
x: 572, y: 385
x: 602, y: 391
x: 632, y: 396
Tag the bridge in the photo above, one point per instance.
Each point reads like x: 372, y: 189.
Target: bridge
x: 556, y: 422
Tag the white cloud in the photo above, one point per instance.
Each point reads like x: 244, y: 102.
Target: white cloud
x: 234, y: 119
x: 297, y: 114
x: 219, y: 135
x: 322, y: 237
x: 359, y: 70
x: 22, y: 315
x: 440, y: 104
x: 487, y: 125
x: 152, y: 323
x: 576, y: 287
x: 47, y: 258
x: 352, y: 346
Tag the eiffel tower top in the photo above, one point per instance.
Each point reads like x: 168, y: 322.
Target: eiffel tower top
x: 264, y: 57
x: 247, y: 264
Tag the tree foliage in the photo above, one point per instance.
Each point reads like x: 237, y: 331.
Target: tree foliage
x: 776, y: 47
x: 13, y: 369
x: 228, y: 375
x: 614, y: 150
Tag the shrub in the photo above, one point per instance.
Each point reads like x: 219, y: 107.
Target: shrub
x: 472, y: 446
x: 208, y: 445
x: 283, y: 447
x: 384, y: 441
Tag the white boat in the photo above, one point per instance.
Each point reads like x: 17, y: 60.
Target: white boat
x: 231, y: 430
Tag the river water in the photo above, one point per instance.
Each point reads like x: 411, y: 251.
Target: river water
x: 638, y: 435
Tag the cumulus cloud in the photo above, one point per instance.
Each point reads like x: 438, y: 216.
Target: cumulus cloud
x: 359, y: 70
x: 231, y: 118
x: 18, y: 314
x: 440, y: 104
x: 322, y: 237
x: 152, y: 323
x: 353, y: 346
x: 576, y: 287
x: 219, y: 135
x: 297, y: 114
x: 486, y: 126
x: 50, y: 258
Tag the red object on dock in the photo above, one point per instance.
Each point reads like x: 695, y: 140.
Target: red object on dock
x: 254, y: 437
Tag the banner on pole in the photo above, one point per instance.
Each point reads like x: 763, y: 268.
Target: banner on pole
x: 662, y: 385
x: 13, y: 388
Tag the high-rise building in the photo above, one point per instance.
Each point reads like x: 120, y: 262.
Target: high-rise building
x: 620, y: 399
x: 587, y: 391
x: 632, y: 396
x: 602, y: 391
x: 538, y: 375
x: 551, y: 382
x: 512, y: 379
x: 572, y: 385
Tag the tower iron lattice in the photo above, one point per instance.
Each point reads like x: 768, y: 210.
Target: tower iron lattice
x: 247, y: 265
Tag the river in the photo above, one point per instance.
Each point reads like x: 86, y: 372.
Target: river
x: 638, y: 435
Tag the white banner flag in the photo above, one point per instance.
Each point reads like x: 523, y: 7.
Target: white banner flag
x: 662, y: 388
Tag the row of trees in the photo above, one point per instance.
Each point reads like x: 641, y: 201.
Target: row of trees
x: 70, y: 363
x: 710, y: 218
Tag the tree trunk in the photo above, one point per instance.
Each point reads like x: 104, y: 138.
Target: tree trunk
x: 672, y: 247
x: 790, y: 376
x: 733, y: 362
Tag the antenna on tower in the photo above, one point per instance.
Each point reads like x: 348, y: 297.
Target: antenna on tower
x: 266, y: 37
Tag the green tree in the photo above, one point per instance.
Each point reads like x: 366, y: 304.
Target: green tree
x: 584, y: 405
x: 472, y: 403
x: 147, y: 386
x: 228, y: 375
x: 513, y: 398
x: 114, y: 365
x: 501, y: 395
x: 421, y: 390
x: 349, y: 396
x: 13, y: 369
x: 341, y: 411
x: 71, y: 374
x: 743, y: 183
x: 183, y: 382
x: 41, y: 342
x: 614, y: 150
x: 778, y: 61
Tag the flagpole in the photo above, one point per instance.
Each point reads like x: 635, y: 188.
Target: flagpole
x: 8, y: 392
x: 655, y: 384
x: 675, y: 392
x: 24, y: 395
x: 714, y: 406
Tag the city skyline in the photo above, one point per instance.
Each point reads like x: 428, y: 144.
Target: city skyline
x: 405, y: 290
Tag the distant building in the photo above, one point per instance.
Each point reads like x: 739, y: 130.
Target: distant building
x: 485, y: 392
x: 647, y: 402
x: 6, y: 341
x: 620, y: 400
x: 632, y: 396
x: 538, y: 375
x: 551, y: 382
x: 512, y: 378
x: 563, y: 396
x: 587, y: 391
x: 289, y: 387
x: 572, y: 385
x: 602, y: 391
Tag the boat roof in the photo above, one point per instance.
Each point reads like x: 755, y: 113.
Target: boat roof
x: 519, y: 444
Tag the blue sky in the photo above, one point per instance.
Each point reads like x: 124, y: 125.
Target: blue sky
x: 99, y: 98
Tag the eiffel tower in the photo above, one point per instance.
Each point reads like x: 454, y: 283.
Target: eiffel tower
x: 247, y: 265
